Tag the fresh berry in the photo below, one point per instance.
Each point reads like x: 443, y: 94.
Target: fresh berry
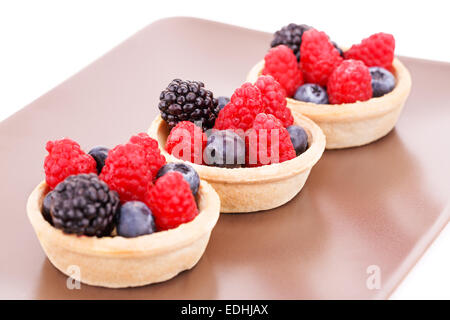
x: 127, y: 171
x: 46, y: 205
x: 299, y: 139
x: 310, y: 92
x: 189, y: 174
x: 222, y: 102
x: 382, y: 81
x: 274, y: 99
x: 319, y: 57
x: 375, y: 51
x: 240, y: 112
x: 225, y: 148
x: 268, y: 142
x: 99, y: 154
x: 186, y: 142
x: 350, y: 82
x: 281, y: 63
x: 135, y: 219
x: 154, y: 157
x: 291, y: 36
x: 84, y: 205
x: 172, y: 202
x: 65, y: 158
x: 188, y: 101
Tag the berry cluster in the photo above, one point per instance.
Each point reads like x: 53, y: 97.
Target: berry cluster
x: 129, y: 188
x: 250, y: 129
x: 324, y: 74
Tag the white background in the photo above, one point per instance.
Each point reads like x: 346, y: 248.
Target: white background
x: 44, y: 42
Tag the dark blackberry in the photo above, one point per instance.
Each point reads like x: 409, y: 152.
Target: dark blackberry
x: 84, y: 205
x: 291, y: 36
x: 46, y: 207
x: 188, y: 101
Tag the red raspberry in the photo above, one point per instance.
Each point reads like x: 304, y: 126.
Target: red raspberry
x: 268, y: 142
x: 154, y: 157
x: 65, y: 158
x: 186, y: 141
x: 318, y: 57
x: 280, y: 62
x: 274, y: 99
x: 172, y: 202
x: 350, y: 82
x: 127, y: 171
x: 375, y: 51
x: 239, y: 113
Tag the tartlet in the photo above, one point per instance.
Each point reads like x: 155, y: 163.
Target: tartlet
x: 260, y: 188
x: 117, y: 262
x: 354, y: 124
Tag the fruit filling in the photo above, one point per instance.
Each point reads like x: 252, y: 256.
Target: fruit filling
x: 312, y: 68
x: 250, y: 129
x: 127, y: 191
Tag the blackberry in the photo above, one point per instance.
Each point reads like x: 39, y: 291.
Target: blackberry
x: 188, y: 101
x: 291, y: 36
x: 84, y: 205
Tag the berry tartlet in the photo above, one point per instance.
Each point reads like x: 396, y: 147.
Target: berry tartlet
x: 254, y: 152
x: 354, y: 95
x: 122, y: 217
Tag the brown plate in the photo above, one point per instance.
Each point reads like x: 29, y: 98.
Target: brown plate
x: 381, y: 204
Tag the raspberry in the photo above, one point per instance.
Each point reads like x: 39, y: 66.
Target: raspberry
x: 239, y: 113
x: 274, y: 99
x: 375, y: 51
x: 65, y: 158
x: 350, y: 82
x: 186, y: 141
x: 154, y: 157
x: 268, y: 142
x: 280, y: 62
x: 172, y: 202
x: 318, y: 57
x: 127, y: 171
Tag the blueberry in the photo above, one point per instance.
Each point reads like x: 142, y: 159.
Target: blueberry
x: 311, y: 93
x: 46, y: 204
x: 222, y: 101
x: 382, y: 81
x: 189, y: 174
x: 299, y: 139
x: 224, y: 148
x: 99, y: 154
x: 135, y: 219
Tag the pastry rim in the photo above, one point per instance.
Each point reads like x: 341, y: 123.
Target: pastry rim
x: 266, y: 173
x: 374, y: 107
x: 143, y: 246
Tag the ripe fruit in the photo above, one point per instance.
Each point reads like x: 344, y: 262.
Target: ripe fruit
x: 299, y: 139
x: 375, y: 51
x: 350, y: 82
x: 172, y: 202
x: 186, y: 142
x: 222, y: 102
x: 319, y: 57
x: 188, y: 101
x: 65, y: 158
x: 99, y: 154
x: 225, y: 148
x: 291, y: 36
x: 274, y: 99
x: 155, y: 159
x: 281, y: 63
x: 189, y: 174
x: 311, y: 92
x: 84, y: 205
x: 135, y: 219
x: 382, y: 81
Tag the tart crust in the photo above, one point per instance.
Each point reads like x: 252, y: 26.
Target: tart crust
x: 354, y: 124
x: 260, y: 188
x: 118, y: 262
